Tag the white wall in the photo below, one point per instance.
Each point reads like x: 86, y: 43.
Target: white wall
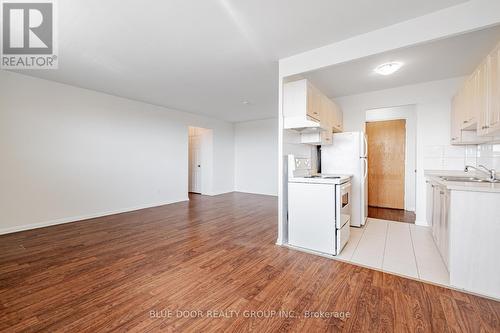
x: 465, y: 17
x: 433, y: 109
x: 68, y: 153
x: 409, y: 114
x: 256, y: 156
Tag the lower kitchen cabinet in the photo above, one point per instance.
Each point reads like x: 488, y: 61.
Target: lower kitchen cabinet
x: 474, y: 246
x: 439, y: 214
x: 466, y: 229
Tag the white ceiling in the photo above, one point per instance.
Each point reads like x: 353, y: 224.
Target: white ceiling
x: 207, y: 56
x: 451, y: 57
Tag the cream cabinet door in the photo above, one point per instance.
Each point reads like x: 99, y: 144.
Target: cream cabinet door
x: 436, y: 215
x: 494, y: 92
x: 483, y: 117
x: 326, y: 137
x: 444, y: 234
x: 481, y: 98
x: 430, y: 202
x: 338, y: 119
x: 468, y: 101
x: 326, y: 114
x: 455, y: 118
x: 313, y: 103
x: 335, y: 116
x: 460, y: 104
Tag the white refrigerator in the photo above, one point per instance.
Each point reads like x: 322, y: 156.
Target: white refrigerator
x: 348, y: 154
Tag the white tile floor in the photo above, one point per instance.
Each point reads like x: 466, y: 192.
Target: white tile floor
x: 396, y: 247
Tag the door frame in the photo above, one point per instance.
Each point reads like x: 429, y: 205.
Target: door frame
x: 408, y: 113
x: 206, y: 157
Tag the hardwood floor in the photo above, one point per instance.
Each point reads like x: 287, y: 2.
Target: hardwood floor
x: 399, y: 215
x: 125, y: 272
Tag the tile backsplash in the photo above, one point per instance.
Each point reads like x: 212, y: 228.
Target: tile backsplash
x: 448, y: 157
x: 489, y: 156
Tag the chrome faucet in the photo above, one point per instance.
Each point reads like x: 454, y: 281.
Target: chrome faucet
x: 492, y: 175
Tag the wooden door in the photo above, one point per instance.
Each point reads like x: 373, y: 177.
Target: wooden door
x: 386, y: 160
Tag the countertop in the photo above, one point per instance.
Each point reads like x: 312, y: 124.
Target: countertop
x: 461, y: 186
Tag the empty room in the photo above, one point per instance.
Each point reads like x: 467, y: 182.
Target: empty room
x: 250, y: 166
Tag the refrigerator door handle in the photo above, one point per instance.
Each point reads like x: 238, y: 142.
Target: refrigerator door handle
x: 365, y: 163
x: 366, y: 146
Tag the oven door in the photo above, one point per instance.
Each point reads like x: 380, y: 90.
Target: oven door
x: 343, y: 211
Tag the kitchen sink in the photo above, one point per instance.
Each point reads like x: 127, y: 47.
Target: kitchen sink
x: 468, y: 179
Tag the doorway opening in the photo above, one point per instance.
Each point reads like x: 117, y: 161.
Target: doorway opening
x: 200, y: 160
x: 391, y: 136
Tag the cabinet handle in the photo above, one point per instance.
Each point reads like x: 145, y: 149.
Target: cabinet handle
x: 441, y: 192
x: 465, y: 121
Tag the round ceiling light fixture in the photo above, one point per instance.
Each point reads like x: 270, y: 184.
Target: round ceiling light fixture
x: 389, y: 68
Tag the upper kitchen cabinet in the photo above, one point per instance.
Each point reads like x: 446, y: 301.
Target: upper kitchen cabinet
x: 301, y: 105
x: 456, y: 109
x: 475, y: 116
x: 464, y: 115
x: 481, y: 97
x: 489, y: 119
x: 305, y: 107
x: 334, y: 115
x: 469, y: 99
x: 338, y: 125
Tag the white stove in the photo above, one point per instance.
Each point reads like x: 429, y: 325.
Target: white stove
x: 319, y: 209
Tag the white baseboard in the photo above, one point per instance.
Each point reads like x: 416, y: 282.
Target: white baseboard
x: 216, y: 193
x: 84, y: 217
x: 239, y: 191
x: 256, y: 192
x: 421, y: 223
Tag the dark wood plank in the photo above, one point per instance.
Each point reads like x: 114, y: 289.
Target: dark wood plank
x: 398, y: 215
x: 211, y: 253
